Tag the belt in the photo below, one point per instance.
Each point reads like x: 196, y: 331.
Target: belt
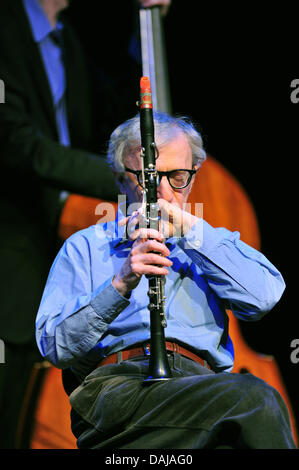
x: 145, y: 351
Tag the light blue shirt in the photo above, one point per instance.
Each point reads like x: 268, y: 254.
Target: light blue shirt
x: 52, y: 58
x: 83, y: 318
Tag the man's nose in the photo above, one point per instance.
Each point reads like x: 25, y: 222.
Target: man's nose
x: 164, y: 190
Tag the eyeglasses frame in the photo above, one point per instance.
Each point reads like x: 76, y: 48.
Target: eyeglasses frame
x: 192, y: 172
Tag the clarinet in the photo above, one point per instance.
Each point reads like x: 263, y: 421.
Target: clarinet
x: 159, y: 369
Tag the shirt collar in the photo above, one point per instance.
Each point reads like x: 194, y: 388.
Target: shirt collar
x: 40, y: 24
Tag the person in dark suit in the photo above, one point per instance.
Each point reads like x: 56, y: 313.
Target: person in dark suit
x: 51, y: 141
x: 47, y: 150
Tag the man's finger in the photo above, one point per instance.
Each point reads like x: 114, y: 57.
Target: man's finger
x: 147, y: 233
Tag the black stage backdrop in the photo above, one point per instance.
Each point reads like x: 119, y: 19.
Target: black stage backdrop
x: 230, y: 69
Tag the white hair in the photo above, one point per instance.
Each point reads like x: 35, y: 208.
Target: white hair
x: 126, y: 138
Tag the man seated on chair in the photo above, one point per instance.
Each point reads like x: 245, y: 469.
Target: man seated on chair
x: 94, y: 316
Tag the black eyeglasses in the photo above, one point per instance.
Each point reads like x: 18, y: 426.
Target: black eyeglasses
x: 178, y: 179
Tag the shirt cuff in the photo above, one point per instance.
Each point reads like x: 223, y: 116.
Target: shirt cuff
x: 108, y: 302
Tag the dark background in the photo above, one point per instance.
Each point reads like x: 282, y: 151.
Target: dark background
x: 230, y: 69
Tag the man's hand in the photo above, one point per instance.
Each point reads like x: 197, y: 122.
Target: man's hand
x: 165, y: 4
x: 175, y: 222
x: 148, y: 256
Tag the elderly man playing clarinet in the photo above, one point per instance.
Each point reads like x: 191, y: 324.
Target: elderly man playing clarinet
x: 94, y: 320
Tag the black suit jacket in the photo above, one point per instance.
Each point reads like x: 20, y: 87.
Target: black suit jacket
x: 35, y: 167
